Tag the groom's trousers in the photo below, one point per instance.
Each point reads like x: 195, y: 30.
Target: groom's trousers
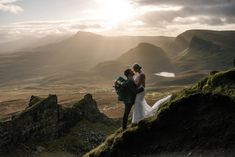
x: 125, y: 116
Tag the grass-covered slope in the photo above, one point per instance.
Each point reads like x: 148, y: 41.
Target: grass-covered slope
x: 200, y: 118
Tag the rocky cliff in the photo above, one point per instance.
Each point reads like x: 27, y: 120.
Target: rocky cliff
x: 198, y: 121
x: 44, y: 122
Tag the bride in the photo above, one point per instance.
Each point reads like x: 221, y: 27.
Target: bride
x: 142, y: 109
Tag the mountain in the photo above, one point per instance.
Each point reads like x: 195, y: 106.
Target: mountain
x: 182, y: 41
x: 29, y: 42
x: 197, y: 121
x: 69, y: 58
x: 194, y: 53
x: 87, y: 49
x: 46, y: 126
x: 152, y: 58
x: 208, y: 51
x: 72, y: 60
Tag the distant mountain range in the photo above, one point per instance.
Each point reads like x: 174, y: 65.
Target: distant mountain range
x: 85, y: 49
x: 68, y: 58
x: 87, y: 56
x: 25, y: 43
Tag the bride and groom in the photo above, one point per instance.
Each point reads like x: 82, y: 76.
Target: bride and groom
x: 135, y: 96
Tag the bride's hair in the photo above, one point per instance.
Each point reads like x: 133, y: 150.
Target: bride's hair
x: 137, y: 66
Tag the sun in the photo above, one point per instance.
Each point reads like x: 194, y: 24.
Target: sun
x: 116, y: 11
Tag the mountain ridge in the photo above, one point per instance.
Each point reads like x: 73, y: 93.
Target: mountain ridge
x: 72, y: 56
x: 203, y: 54
x: 183, y: 40
x: 72, y: 60
x: 152, y: 58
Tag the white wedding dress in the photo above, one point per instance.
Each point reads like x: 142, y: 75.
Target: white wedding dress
x: 141, y: 108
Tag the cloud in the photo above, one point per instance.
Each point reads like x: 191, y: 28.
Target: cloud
x: 183, y: 2
x: 86, y: 26
x: 69, y: 25
x: 188, y: 14
x: 10, y: 6
x: 150, y: 17
x: 225, y: 8
x: 14, y: 31
x: 197, y: 13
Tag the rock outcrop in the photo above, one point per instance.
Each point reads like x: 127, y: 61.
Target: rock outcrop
x: 44, y: 120
x: 197, y: 119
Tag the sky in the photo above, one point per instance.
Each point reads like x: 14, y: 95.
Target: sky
x: 113, y: 17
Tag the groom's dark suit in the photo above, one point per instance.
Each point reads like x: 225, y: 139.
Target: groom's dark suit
x: 129, y: 100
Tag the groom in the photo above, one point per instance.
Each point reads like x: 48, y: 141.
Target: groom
x: 130, y: 94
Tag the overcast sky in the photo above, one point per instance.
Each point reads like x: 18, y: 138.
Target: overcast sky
x: 113, y: 17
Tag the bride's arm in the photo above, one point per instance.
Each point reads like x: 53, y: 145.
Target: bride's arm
x: 140, y: 81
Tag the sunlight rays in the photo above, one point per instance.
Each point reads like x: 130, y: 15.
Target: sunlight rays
x: 112, y: 12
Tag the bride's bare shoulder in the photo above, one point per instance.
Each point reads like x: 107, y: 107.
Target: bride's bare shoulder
x: 142, y: 74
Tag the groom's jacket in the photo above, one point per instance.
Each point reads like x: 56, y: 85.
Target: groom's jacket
x: 130, y: 91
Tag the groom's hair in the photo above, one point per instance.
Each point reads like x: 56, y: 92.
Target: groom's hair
x: 127, y: 72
